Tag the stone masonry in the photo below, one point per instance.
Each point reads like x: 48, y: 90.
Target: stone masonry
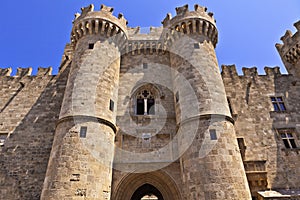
x: 132, y: 114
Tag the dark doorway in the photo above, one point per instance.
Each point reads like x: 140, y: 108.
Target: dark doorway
x: 146, y: 189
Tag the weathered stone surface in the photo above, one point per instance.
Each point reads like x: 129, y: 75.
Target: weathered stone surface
x: 130, y: 109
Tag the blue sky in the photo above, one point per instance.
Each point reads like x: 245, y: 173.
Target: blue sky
x: 34, y: 32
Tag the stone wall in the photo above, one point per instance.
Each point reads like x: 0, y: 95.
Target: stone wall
x: 29, y: 109
x: 258, y: 126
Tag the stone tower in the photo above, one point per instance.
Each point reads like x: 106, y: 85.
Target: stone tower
x: 212, y: 167
x: 290, y: 50
x: 82, y: 154
x: 135, y: 115
x: 183, y: 89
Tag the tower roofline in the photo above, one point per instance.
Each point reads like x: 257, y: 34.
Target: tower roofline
x: 183, y: 13
x: 290, y: 49
x: 98, y: 22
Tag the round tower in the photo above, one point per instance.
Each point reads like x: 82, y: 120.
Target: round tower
x: 80, y: 163
x: 211, y: 164
x: 289, y: 51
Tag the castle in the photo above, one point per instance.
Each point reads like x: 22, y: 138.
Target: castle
x: 134, y: 116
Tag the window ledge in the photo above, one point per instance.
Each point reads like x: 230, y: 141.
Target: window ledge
x: 279, y: 111
x: 256, y: 172
x: 146, y: 116
x: 289, y: 150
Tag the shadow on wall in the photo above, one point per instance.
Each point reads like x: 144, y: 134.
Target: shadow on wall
x: 286, y: 104
x: 25, y: 155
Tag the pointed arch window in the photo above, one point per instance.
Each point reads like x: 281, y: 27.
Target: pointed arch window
x: 145, y: 103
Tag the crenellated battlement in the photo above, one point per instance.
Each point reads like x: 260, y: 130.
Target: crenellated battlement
x: 98, y: 22
x: 23, y: 72
x: 190, y: 22
x: 183, y: 13
x: 5, y: 71
x: 137, y: 47
x: 229, y: 71
x: 250, y: 72
x: 290, y: 49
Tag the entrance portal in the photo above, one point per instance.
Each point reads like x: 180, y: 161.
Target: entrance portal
x: 147, y: 191
x: 156, y: 185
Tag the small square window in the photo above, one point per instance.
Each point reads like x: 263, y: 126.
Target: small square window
x: 145, y: 65
x: 288, y: 139
x: 83, y: 131
x: 278, y: 104
x: 111, y: 105
x: 91, y: 46
x: 196, y: 46
x: 213, y: 134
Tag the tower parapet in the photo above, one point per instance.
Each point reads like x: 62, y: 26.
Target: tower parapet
x: 188, y: 22
x: 290, y: 49
x: 98, y: 22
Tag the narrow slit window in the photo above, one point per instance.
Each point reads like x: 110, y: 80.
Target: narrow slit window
x: 111, y: 105
x: 83, y: 131
x: 177, y: 97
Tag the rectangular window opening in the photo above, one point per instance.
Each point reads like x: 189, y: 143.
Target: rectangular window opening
x: 288, y: 139
x: 140, y: 107
x: 151, y: 106
x: 83, y: 131
x: 278, y: 104
x: 177, y: 97
x: 196, y: 46
x: 145, y: 65
x: 213, y: 134
x: 111, y: 105
x: 91, y: 46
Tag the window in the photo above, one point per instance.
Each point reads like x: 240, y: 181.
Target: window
x: 91, y: 46
x: 146, y: 140
x: 83, y: 130
x: 196, y: 46
x: 145, y: 103
x: 145, y: 65
x: 288, y: 139
x: 177, y: 97
x: 278, y: 104
x: 213, y: 134
x: 111, y: 105
x: 3, y: 137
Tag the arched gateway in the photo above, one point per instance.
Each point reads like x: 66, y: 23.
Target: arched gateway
x: 136, y: 185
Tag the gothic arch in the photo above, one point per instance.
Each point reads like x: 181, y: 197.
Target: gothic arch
x: 155, y: 93
x: 149, y: 86
x: 158, y: 179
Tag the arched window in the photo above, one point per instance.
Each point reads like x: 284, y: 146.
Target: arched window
x: 145, y: 103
